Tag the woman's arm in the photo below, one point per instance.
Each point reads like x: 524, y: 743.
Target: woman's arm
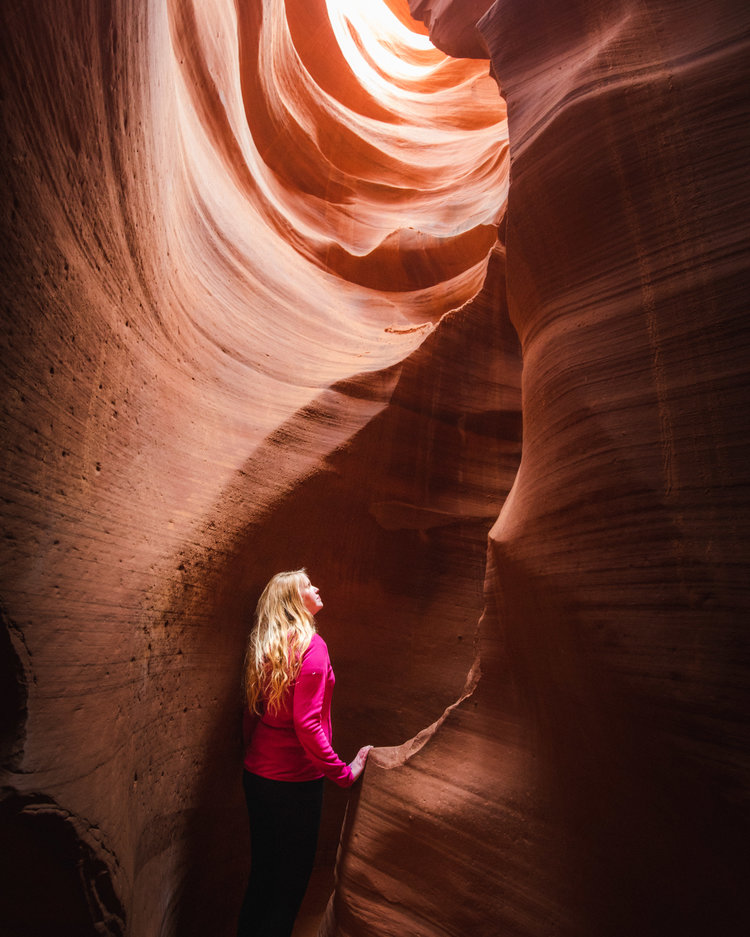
x: 309, y: 703
x: 309, y: 694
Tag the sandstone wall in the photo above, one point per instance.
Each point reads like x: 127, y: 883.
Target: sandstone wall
x: 595, y: 782
x: 240, y: 279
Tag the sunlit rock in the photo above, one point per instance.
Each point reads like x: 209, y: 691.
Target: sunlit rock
x: 229, y: 231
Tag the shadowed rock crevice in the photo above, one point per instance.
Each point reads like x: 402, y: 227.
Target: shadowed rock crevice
x: 54, y: 879
x: 13, y: 694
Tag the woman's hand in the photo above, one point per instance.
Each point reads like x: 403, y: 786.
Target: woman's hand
x: 358, y: 764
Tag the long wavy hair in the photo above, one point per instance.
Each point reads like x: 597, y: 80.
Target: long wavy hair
x: 281, y: 634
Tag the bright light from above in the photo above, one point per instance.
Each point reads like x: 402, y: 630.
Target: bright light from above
x: 380, y: 48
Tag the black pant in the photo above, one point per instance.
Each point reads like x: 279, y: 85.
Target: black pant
x: 284, y: 824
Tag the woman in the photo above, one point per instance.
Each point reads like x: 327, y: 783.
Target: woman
x: 287, y: 731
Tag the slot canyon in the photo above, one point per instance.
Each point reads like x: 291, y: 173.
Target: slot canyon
x: 446, y: 301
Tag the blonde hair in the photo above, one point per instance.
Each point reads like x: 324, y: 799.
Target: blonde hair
x: 280, y: 636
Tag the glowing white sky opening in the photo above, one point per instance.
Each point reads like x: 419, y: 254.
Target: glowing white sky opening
x: 391, y: 46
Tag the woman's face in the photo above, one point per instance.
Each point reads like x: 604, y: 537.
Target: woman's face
x: 311, y: 598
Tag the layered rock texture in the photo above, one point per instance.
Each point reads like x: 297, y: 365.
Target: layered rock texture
x: 256, y: 315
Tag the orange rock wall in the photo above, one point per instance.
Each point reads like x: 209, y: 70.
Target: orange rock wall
x: 247, y: 324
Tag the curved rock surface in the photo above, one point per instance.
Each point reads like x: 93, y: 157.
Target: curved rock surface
x: 244, y: 243
x: 595, y: 780
x: 254, y: 316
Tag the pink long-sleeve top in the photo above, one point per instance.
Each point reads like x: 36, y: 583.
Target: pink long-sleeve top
x: 294, y: 743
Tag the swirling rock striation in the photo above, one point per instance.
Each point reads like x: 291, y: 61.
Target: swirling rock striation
x: 231, y: 228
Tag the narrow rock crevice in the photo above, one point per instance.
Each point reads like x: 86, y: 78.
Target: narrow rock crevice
x: 55, y: 879
x: 15, y: 671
